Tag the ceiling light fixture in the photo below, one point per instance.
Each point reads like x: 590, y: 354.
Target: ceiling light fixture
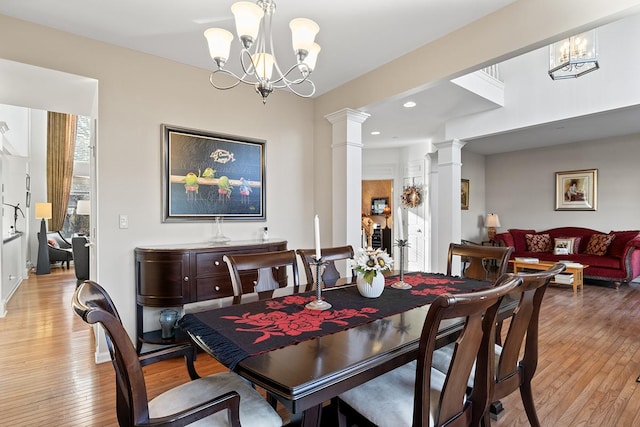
x: 574, y: 57
x: 409, y: 104
x: 375, y: 132
x: 257, y: 57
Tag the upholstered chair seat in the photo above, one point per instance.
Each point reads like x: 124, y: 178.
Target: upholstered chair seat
x: 392, y: 395
x: 254, y: 409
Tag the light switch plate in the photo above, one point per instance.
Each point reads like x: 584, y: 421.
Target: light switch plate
x: 124, y: 221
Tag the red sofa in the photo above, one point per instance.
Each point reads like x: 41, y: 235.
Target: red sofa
x: 620, y: 263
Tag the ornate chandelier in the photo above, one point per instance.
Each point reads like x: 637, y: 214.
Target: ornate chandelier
x: 574, y: 57
x: 253, y: 25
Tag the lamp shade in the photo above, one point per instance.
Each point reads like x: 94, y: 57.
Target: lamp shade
x: 264, y: 65
x: 303, y: 34
x: 248, y: 16
x: 43, y: 210
x: 492, y: 220
x: 83, y: 207
x: 219, y: 42
x: 312, y: 57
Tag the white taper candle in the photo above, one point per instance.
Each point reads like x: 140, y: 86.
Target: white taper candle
x: 400, y: 227
x: 317, y: 237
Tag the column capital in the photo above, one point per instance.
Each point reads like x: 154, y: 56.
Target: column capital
x: 347, y: 114
x: 452, y: 143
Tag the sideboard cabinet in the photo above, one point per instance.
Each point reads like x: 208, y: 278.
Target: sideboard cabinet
x: 174, y: 275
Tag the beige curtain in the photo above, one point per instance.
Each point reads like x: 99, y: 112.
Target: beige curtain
x: 61, y: 140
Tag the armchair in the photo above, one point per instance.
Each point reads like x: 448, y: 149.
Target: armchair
x: 59, y: 248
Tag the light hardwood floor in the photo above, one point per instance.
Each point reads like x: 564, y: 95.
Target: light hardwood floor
x: 589, y: 361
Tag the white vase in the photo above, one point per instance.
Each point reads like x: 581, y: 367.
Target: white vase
x: 373, y: 290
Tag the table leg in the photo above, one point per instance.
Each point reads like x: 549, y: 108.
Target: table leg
x: 309, y: 418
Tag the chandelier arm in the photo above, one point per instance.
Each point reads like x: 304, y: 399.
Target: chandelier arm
x: 287, y: 82
x: 232, y: 74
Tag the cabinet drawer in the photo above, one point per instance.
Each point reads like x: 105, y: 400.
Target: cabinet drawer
x: 209, y: 263
x: 218, y: 286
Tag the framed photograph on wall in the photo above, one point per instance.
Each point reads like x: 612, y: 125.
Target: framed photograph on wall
x: 464, y: 194
x: 209, y: 175
x: 577, y: 190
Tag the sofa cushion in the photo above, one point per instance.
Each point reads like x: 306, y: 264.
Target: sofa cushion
x: 571, y: 244
x: 599, y: 243
x: 538, y: 242
x: 620, y: 241
x: 519, y: 242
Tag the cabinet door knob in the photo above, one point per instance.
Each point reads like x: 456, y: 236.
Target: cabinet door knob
x: 186, y: 278
x: 217, y: 263
x: 217, y: 288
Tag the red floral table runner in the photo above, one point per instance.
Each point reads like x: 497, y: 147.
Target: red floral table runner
x: 239, y: 331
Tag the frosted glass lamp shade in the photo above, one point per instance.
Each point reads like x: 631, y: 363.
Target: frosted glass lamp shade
x: 248, y: 16
x: 312, y: 57
x: 219, y: 42
x: 43, y: 210
x: 263, y: 63
x: 303, y: 34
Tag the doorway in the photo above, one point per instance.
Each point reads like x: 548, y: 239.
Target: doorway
x: 39, y: 90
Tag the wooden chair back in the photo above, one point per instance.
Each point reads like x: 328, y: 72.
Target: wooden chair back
x: 481, y: 262
x: 475, y: 343
x: 267, y: 264
x: 94, y: 305
x: 330, y: 273
x: 512, y: 372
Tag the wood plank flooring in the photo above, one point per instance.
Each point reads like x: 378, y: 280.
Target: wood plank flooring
x: 589, y: 361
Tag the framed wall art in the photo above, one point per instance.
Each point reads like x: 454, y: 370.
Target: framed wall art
x: 209, y: 175
x: 577, y: 190
x: 464, y: 194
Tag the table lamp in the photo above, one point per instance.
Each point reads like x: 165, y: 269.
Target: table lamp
x: 43, y: 211
x: 492, y: 222
x: 387, y: 213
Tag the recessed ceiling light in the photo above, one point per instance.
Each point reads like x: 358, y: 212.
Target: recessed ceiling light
x: 375, y: 132
x: 409, y: 104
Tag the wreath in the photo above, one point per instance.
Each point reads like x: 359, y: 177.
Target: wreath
x: 411, y: 196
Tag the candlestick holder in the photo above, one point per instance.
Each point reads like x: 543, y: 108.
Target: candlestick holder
x: 401, y: 244
x: 318, y: 303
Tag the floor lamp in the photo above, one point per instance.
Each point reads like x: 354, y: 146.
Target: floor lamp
x: 43, y: 212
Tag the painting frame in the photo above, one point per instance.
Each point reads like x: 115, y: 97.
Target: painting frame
x: 464, y: 194
x: 577, y: 190
x: 209, y: 175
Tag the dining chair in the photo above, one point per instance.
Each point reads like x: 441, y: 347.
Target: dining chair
x: 217, y: 400
x: 512, y: 372
x: 267, y: 263
x: 330, y: 274
x: 417, y: 395
x: 484, y: 262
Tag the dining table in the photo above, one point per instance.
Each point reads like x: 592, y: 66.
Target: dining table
x: 304, y: 358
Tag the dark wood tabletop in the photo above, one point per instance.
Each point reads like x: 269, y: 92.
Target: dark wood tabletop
x: 305, y: 375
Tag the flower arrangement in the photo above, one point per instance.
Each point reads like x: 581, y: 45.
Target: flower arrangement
x: 368, y: 262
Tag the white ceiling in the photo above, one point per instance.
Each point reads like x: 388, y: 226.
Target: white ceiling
x: 173, y: 29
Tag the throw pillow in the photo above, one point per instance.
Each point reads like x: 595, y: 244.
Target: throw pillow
x: 53, y: 243
x: 566, y: 245
x: 538, y: 242
x: 599, y: 243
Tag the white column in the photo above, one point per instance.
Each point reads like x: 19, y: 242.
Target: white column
x: 433, y: 212
x: 449, y: 215
x: 346, y: 187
